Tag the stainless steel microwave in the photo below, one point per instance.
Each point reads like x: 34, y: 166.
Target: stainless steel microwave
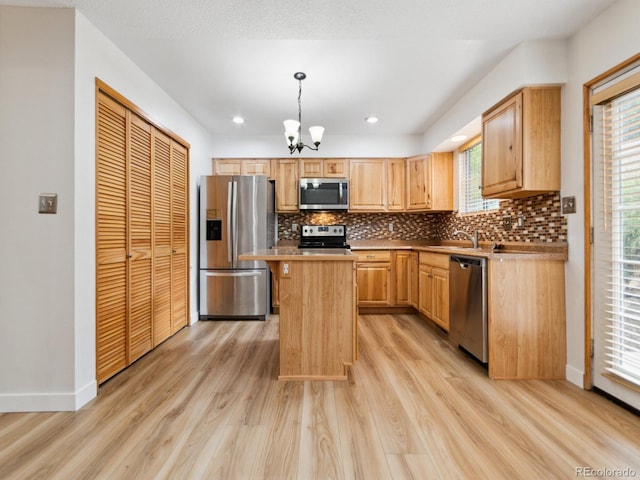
x: 324, y: 194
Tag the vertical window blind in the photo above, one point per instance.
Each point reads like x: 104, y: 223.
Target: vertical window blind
x: 619, y: 243
x: 470, y: 173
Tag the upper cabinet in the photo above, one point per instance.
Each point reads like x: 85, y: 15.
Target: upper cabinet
x: 430, y: 182
x: 377, y: 185
x: 368, y: 185
x: 286, y: 176
x: 324, y: 168
x: 521, y: 144
x: 242, y: 166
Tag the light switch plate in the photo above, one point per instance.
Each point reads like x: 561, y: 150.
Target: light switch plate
x: 48, y: 203
x: 506, y: 223
x: 568, y: 205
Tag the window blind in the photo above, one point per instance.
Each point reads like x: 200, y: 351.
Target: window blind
x: 618, y: 246
x: 470, y: 173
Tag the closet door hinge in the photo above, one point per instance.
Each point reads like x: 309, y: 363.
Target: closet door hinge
x: 591, y: 235
x: 593, y: 346
x: 590, y: 123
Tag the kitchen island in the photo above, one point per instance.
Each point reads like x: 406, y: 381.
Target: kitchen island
x: 318, y: 318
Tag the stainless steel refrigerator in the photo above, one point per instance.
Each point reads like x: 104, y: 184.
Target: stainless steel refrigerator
x: 237, y: 216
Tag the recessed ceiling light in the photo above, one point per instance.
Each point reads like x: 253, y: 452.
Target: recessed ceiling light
x: 238, y: 120
x: 458, y: 138
x: 371, y: 119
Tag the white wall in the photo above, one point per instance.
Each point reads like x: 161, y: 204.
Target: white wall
x: 332, y: 146
x: 37, y: 251
x: 49, y: 59
x: 604, y: 43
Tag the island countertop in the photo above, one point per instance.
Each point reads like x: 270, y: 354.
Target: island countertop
x: 307, y: 254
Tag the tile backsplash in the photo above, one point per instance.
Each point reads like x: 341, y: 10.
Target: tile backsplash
x: 542, y: 222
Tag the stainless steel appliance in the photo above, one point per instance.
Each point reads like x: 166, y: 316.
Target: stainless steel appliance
x: 236, y: 216
x: 324, y: 194
x: 323, y: 236
x: 468, y: 304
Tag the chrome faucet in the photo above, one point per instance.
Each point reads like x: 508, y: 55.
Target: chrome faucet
x: 473, y: 238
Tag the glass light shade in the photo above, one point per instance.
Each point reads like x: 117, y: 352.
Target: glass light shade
x: 316, y: 134
x: 291, y: 127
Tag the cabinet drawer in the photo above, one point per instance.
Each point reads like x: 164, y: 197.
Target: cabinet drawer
x: 435, y: 260
x: 374, y: 255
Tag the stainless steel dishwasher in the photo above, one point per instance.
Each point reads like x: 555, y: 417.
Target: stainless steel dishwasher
x: 468, y: 304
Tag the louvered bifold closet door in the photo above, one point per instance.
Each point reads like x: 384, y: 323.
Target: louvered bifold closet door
x: 139, y: 251
x: 162, y: 237
x: 179, y: 235
x: 111, y: 239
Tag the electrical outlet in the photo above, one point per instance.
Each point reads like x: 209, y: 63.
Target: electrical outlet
x: 391, y: 227
x: 285, y: 271
x: 520, y: 221
x: 506, y: 223
x: 48, y: 203
x: 294, y: 227
x: 568, y: 205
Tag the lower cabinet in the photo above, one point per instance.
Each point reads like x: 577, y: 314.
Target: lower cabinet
x: 373, y: 276
x: 433, y: 288
x: 401, y: 282
x: 414, y: 280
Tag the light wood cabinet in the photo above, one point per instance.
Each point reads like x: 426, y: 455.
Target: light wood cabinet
x: 286, y: 177
x: 414, y: 280
x: 368, y: 185
x: 400, y: 274
x: 377, y: 185
x: 430, y: 182
x: 396, y: 187
x: 242, y: 166
x: 324, y: 168
x: 434, y: 288
x: 527, y: 328
x: 521, y: 144
x: 141, y: 236
x: 373, y: 276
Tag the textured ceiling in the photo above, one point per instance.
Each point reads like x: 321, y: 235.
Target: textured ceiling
x: 405, y: 61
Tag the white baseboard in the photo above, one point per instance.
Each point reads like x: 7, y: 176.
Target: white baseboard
x: 195, y: 317
x: 47, y: 402
x: 574, y: 375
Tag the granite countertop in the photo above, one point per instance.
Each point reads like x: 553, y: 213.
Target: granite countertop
x: 294, y: 253
x: 510, y: 251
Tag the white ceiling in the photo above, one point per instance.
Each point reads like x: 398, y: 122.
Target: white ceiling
x: 405, y: 61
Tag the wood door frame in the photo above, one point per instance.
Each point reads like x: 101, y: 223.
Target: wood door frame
x: 588, y: 246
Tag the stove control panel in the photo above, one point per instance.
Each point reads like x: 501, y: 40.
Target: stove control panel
x: 323, y: 230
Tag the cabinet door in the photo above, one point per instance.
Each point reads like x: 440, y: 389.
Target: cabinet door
x: 179, y: 237
x: 418, y: 191
x: 227, y: 166
x: 287, y: 185
x: 502, y: 147
x: 111, y: 239
x: 140, y: 252
x: 395, y: 188
x: 440, y: 291
x: 162, y: 237
x: 425, y: 300
x: 440, y: 179
x: 256, y: 167
x: 368, y: 185
x: 401, y: 281
x: 414, y: 280
x: 373, y: 283
x: 311, y: 168
x: 336, y: 168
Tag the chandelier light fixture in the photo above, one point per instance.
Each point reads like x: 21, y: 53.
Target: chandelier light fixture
x: 293, y: 128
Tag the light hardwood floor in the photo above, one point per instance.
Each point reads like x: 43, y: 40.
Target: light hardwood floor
x: 207, y: 404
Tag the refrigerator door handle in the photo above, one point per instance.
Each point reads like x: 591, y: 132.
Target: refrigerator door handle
x: 229, y: 220
x: 235, y: 223
x: 233, y: 274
